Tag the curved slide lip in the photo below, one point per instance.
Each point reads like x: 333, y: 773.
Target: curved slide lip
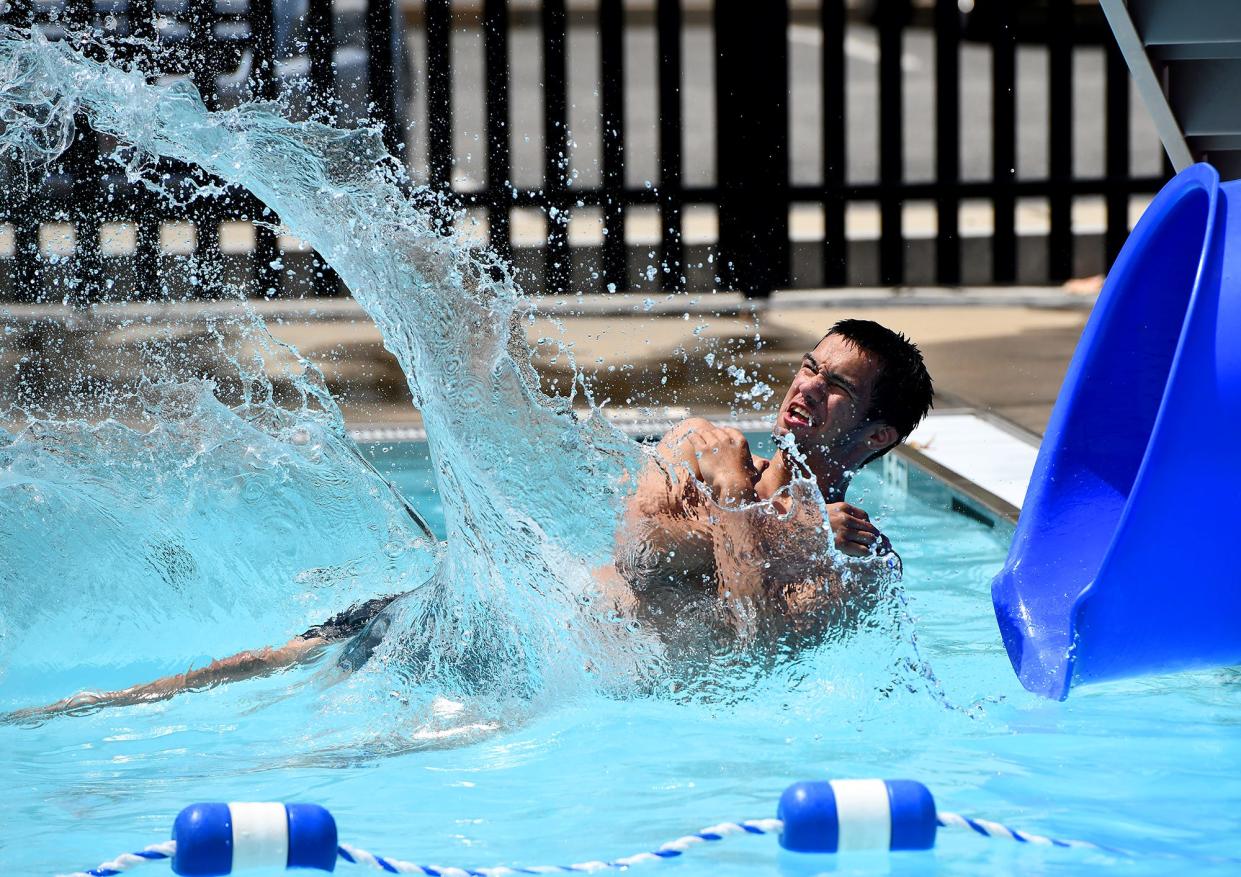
x: 1197, y: 176
x: 1040, y: 637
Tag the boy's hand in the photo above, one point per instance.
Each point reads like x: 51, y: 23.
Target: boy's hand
x: 725, y: 462
x: 853, y: 533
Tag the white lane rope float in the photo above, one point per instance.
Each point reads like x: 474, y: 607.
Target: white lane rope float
x: 836, y: 816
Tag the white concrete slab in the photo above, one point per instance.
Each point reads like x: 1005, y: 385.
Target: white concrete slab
x: 993, y: 458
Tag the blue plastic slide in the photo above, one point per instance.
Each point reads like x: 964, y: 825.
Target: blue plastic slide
x: 1124, y: 561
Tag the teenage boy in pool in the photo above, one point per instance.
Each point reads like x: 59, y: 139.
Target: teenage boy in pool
x: 855, y: 396
x: 695, y: 520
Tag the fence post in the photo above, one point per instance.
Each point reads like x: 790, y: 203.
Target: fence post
x: 948, y: 141
x: 893, y: 15
x: 263, y: 82
x: 321, y: 47
x: 379, y: 73
x: 1004, y: 144
x: 672, y: 253
x: 1060, y: 139
x: 612, y: 110
x: 499, y: 185
x: 556, y: 255
x: 81, y: 162
x: 22, y: 210
x: 751, y: 100
x: 1116, y: 169
x: 439, y: 95
x: 835, y: 148
x: 203, y: 59
x: 141, y: 204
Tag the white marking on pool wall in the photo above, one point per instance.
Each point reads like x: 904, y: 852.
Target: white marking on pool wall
x: 991, y: 457
x: 260, y: 835
x: 863, y: 815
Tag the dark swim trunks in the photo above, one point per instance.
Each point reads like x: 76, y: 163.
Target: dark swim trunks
x: 349, y: 623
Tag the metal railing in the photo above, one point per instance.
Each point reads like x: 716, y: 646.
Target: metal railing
x: 250, y: 45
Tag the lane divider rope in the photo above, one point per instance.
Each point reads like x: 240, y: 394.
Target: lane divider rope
x: 126, y: 861
x: 671, y: 850
x: 210, y: 840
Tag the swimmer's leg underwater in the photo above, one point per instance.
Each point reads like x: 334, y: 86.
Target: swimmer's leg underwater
x: 363, y: 625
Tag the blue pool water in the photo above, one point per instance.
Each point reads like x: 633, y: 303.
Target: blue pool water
x: 1147, y: 765
x: 504, y: 721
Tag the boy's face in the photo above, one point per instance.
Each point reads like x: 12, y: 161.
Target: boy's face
x: 830, y: 394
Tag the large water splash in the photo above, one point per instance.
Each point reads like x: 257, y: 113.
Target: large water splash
x: 506, y: 608
x: 529, y: 491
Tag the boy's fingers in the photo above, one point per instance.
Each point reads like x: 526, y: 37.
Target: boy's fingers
x: 863, y: 525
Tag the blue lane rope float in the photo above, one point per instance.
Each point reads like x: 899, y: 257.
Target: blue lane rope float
x: 835, y: 816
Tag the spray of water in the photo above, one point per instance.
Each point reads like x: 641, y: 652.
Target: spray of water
x: 505, y: 610
x: 530, y: 493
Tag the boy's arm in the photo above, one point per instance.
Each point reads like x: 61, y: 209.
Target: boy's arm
x: 235, y: 668
x: 749, y: 543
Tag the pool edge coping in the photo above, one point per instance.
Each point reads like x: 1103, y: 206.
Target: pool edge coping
x: 956, y: 481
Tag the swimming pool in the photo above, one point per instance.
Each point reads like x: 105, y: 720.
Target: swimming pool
x: 925, y: 694
x: 235, y: 521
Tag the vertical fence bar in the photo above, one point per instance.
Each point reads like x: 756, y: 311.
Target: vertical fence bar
x: 672, y: 252
x: 263, y: 83
x: 499, y: 164
x: 1060, y: 139
x: 81, y: 163
x: 835, y: 151
x: 206, y: 212
x: 263, y: 45
x: 142, y: 19
x: 947, y: 141
x: 1004, y: 143
x: 21, y: 211
x: 321, y: 46
x: 144, y: 206
x: 27, y: 274
x: 79, y: 15
x: 1116, y: 168
x: 439, y: 94
x: 18, y: 208
x: 612, y: 109
x: 380, y: 78
x: 556, y: 271
x: 751, y: 110
x: 892, y: 17
x: 20, y: 13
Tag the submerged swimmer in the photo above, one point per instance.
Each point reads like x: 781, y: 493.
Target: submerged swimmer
x: 708, y: 516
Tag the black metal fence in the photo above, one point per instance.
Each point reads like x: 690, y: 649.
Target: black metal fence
x: 254, y: 44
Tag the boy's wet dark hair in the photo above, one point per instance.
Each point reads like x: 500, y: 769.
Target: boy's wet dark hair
x: 902, y: 393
